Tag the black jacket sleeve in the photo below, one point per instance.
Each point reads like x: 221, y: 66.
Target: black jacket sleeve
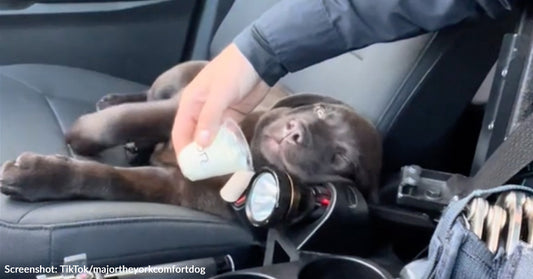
x: 295, y: 34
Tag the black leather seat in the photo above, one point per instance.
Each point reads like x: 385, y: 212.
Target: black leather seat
x: 385, y: 82
x: 37, y: 105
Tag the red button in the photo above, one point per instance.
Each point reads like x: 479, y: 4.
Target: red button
x: 240, y: 201
x: 324, y: 202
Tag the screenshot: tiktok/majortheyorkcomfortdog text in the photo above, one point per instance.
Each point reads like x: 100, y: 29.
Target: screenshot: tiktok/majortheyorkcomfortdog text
x: 77, y: 270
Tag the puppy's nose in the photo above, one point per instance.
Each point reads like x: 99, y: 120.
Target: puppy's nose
x: 294, y: 132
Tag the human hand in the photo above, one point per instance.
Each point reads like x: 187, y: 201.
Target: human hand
x: 227, y: 87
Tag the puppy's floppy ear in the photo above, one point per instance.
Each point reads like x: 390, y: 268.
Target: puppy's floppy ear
x: 299, y: 100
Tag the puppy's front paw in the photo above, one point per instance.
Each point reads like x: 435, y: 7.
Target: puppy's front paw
x: 33, y: 177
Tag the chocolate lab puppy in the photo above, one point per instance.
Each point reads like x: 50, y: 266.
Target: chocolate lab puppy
x: 314, y: 139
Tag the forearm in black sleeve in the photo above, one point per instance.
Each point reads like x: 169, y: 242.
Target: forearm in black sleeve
x: 295, y: 34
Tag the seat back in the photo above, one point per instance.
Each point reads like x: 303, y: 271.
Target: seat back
x: 365, y: 79
x: 413, y: 90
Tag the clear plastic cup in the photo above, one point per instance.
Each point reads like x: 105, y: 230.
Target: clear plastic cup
x: 228, y: 153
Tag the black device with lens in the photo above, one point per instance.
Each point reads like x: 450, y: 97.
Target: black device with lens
x: 274, y: 197
x: 323, y: 217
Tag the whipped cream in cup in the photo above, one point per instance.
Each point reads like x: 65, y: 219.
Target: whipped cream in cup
x: 228, y: 154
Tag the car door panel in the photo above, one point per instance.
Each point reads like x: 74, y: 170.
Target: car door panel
x: 136, y: 40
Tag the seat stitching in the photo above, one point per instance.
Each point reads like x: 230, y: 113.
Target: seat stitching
x: 22, y: 82
x: 54, y: 111
x: 178, y: 249
x: 111, y: 219
x: 50, y: 240
x: 82, y: 71
x: 106, y: 222
x: 47, y: 100
x: 56, y: 115
x: 40, y: 91
x: 31, y: 210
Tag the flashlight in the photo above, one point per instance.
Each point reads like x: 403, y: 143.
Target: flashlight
x: 274, y: 196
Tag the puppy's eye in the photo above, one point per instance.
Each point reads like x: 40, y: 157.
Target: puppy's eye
x: 338, y: 159
x: 320, y: 111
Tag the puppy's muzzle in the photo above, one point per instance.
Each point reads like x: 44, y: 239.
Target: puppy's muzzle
x: 294, y: 132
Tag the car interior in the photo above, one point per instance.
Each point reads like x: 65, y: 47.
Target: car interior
x: 427, y: 96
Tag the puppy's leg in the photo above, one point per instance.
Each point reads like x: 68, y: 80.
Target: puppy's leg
x: 146, y: 122
x: 117, y: 99
x: 35, y: 177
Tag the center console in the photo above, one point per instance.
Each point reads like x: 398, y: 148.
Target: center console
x: 314, y: 236
x: 312, y: 265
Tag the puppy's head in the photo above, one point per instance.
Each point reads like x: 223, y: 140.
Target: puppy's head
x: 318, y: 139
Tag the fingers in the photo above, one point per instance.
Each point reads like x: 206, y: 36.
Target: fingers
x: 182, y: 129
x: 200, y: 121
x: 185, y: 120
x: 210, y: 118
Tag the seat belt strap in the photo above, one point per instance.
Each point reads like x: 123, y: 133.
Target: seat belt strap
x: 516, y: 151
x: 514, y: 154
